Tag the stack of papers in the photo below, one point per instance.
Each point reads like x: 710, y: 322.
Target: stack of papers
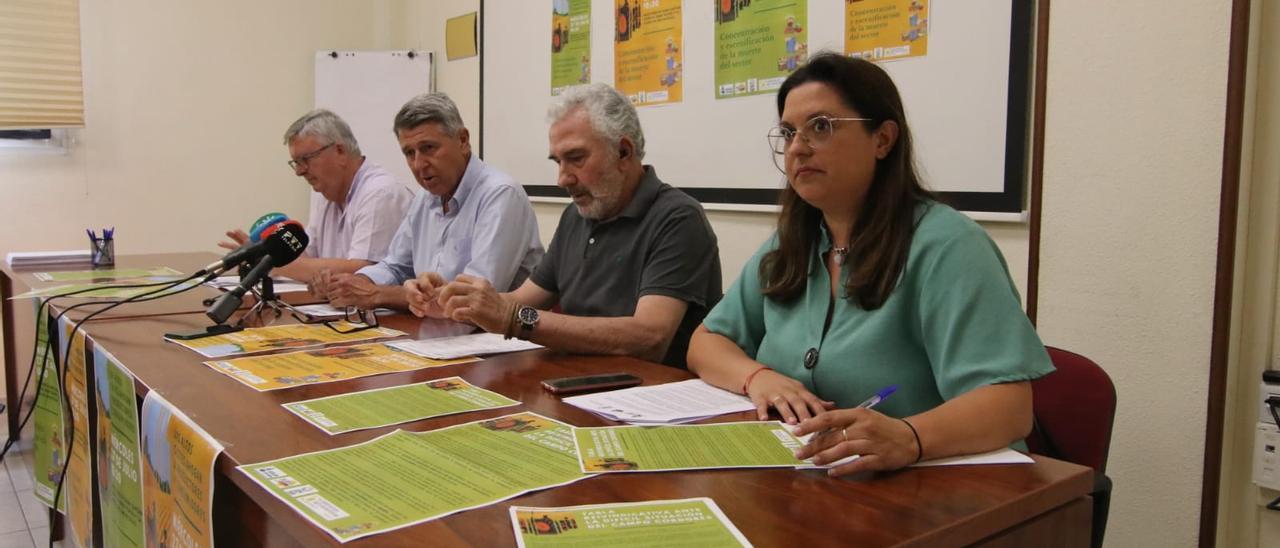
x: 448, y: 348
x: 33, y: 259
x: 672, y: 403
x: 280, y: 285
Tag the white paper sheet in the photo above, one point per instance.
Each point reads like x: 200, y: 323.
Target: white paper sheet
x: 672, y: 403
x: 280, y: 285
x: 448, y: 348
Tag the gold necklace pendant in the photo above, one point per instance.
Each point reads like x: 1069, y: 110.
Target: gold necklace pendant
x: 840, y: 254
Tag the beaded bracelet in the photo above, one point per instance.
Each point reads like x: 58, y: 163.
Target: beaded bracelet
x: 919, y: 446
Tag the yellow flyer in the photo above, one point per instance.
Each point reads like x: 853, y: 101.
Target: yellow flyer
x: 335, y: 363
x: 78, y: 484
x: 648, y: 56
x: 177, y: 476
x: 886, y: 29
x: 283, y: 337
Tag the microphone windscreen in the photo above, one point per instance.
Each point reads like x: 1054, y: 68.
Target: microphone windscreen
x: 285, y: 242
x: 264, y: 222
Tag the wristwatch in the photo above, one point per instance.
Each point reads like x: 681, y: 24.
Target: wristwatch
x: 526, y: 318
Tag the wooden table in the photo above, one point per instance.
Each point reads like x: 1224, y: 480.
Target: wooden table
x: 1045, y: 504
x: 18, y: 317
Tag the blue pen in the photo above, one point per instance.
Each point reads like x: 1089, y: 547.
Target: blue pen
x: 866, y: 404
x: 879, y: 396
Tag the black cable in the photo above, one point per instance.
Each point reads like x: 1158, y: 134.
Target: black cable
x: 35, y: 350
x: 62, y: 369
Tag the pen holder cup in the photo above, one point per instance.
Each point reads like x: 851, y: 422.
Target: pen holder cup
x: 102, y: 252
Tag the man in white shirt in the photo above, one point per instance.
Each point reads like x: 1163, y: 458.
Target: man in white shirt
x: 356, y: 205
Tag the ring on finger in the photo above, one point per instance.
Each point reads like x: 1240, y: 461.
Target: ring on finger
x: 775, y: 399
x: 844, y: 434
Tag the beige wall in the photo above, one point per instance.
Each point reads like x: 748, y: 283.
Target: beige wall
x: 186, y: 103
x: 1136, y: 102
x: 460, y: 79
x: 185, y: 107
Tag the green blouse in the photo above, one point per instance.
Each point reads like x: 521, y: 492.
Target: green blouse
x: 953, y: 323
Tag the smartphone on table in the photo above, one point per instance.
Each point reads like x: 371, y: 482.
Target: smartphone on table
x: 587, y: 383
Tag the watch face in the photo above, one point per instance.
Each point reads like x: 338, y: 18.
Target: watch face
x: 528, y: 316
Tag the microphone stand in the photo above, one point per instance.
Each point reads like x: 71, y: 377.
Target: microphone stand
x: 223, y: 306
x: 265, y: 296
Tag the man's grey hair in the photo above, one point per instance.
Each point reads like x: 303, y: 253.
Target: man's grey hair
x: 429, y: 108
x: 611, y: 114
x: 326, y: 126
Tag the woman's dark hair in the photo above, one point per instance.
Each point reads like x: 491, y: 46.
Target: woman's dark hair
x: 882, y: 234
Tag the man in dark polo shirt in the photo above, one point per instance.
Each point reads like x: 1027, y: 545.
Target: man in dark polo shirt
x: 633, y: 264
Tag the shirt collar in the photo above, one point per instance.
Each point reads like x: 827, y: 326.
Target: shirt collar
x: 824, y: 245
x: 468, y: 183
x: 646, y: 193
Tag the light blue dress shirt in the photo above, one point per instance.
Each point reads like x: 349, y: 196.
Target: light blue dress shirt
x: 490, y: 232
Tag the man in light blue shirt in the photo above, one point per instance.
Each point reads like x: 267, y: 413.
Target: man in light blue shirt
x: 473, y: 219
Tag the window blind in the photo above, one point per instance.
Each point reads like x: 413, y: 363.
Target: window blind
x: 40, y: 79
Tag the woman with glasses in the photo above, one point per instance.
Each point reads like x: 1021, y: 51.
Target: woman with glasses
x: 871, y: 287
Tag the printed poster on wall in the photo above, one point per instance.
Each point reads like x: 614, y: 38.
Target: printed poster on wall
x: 78, y: 486
x: 758, y: 43
x: 882, y: 30
x: 119, y: 463
x: 570, y: 44
x: 50, y: 443
x: 648, y: 58
x: 177, y: 476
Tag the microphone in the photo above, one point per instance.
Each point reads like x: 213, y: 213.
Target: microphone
x: 227, y: 303
x: 250, y: 250
x: 285, y: 242
x: 263, y: 222
x: 282, y: 243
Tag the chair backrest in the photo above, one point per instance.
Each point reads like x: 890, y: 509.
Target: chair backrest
x: 1075, y: 408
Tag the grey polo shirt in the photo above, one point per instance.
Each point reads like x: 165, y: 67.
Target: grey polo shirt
x: 661, y: 244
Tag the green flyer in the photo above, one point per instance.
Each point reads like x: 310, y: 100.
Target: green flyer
x: 118, y: 460
x: 50, y: 446
x: 688, y: 522
x: 112, y: 290
x: 570, y: 44
x: 397, y: 404
x: 686, y: 447
x: 758, y: 44
x: 108, y: 275
x: 405, y: 478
